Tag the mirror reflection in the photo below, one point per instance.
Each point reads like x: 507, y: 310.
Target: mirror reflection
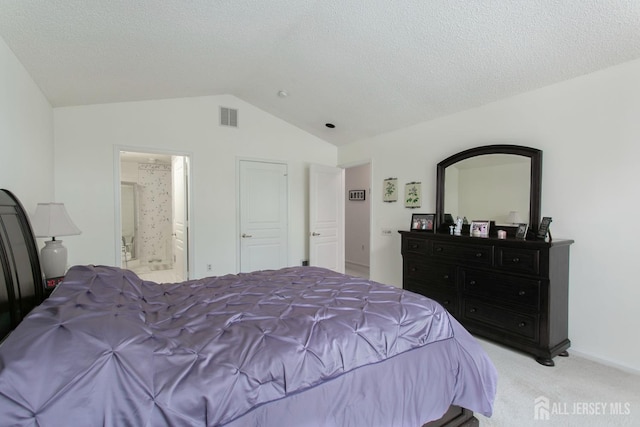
x: 489, y: 187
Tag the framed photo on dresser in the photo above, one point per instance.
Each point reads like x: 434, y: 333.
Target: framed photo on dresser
x: 521, y: 231
x: 423, y: 222
x: 543, y: 230
x: 479, y: 228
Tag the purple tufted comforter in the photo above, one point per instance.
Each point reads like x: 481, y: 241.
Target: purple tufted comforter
x: 110, y: 349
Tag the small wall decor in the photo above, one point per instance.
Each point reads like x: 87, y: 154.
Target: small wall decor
x: 423, y: 222
x: 357, y: 195
x: 412, y: 195
x: 479, y: 228
x: 390, y: 190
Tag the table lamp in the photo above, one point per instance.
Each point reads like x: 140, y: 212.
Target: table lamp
x: 514, y: 218
x: 52, y: 220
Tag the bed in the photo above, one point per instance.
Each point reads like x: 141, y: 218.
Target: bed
x: 300, y: 346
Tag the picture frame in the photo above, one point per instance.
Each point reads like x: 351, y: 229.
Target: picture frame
x: 412, y: 195
x: 521, y: 231
x: 543, y: 230
x: 423, y: 222
x: 357, y: 195
x: 479, y: 228
x: 390, y: 190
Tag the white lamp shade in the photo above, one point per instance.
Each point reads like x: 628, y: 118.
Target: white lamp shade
x: 514, y: 218
x: 51, y: 220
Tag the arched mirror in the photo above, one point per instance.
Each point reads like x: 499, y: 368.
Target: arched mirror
x: 500, y: 183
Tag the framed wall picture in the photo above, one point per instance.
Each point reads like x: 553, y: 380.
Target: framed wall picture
x: 390, y: 190
x: 357, y: 195
x: 521, y: 231
x: 479, y: 228
x: 423, y: 222
x: 412, y: 195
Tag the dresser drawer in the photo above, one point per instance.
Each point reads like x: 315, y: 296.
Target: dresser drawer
x: 517, y: 324
x: 412, y: 245
x: 501, y: 287
x: 477, y: 254
x: 448, y: 300
x: 446, y: 297
x: 430, y: 274
x: 518, y: 260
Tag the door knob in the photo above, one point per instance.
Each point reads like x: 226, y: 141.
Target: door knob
x: 246, y: 235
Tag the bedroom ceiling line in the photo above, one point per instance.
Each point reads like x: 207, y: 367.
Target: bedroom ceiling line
x: 368, y: 67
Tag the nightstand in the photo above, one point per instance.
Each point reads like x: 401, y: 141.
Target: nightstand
x: 51, y: 284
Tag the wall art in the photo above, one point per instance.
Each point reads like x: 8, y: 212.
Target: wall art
x: 357, y: 195
x: 412, y: 195
x: 390, y: 190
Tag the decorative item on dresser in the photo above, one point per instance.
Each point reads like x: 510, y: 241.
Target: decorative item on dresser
x: 511, y: 290
x: 423, y: 222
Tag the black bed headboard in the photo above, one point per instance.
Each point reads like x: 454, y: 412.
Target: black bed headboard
x: 21, y: 279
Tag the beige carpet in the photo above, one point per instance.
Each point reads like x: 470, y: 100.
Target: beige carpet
x: 576, y: 392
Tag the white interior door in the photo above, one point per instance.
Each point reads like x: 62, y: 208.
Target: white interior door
x: 326, y: 217
x: 180, y: 235
x: 263, y: 215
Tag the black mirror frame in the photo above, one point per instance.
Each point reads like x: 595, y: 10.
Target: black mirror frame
x: 535, y: 193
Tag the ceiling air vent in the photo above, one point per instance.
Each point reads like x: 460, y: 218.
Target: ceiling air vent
x: 228, y: 117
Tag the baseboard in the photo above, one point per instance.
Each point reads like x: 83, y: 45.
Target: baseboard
x: 605, y: 362
x: 356, y: 264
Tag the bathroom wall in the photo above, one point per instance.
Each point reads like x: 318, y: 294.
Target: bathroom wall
x: 155, y: 214
x: 154, y: 239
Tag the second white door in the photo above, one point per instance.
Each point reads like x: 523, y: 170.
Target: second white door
x: 179, y: 174
x: 326, y: 217
x: 263, y: 215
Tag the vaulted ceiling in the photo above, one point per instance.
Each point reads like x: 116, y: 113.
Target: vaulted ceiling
x: 368, y: 67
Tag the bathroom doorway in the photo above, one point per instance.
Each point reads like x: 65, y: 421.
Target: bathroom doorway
x: 154, y: 215
x: 358, y: 220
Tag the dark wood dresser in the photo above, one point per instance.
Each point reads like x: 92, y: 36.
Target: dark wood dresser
x: 511, y: 291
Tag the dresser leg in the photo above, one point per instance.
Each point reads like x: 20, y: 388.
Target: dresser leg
x: 545, y: 361
x: 564, y: 354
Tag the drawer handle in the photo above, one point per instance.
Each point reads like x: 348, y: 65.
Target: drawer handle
x: 479, y: 255
x: 521, y: 293
x: 472, y: 282
x: 445, y: 277
x: 446, y: 302
x: 414, y: 246
x: 472, y: 310
x: 522, y: 324
x: 516, y: 260
x: 413, y: 269
x: 439, y: 249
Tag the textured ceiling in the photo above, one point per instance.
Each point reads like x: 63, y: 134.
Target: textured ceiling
x: 367, y: 66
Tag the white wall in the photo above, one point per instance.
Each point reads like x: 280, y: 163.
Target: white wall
x: 85, y: 137
x: 589, y: 131
x: 26, y: 134
x: 357, y: 215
